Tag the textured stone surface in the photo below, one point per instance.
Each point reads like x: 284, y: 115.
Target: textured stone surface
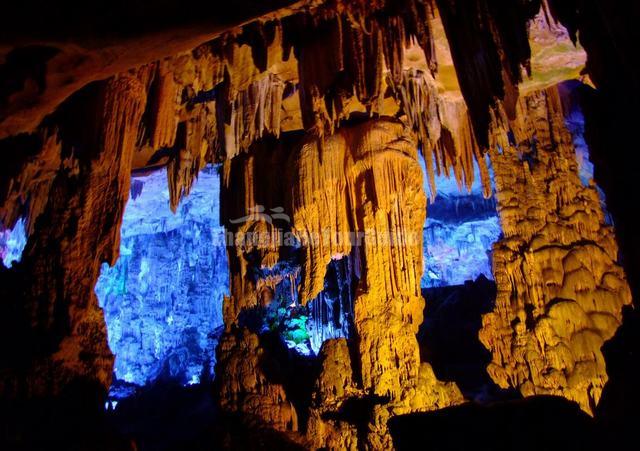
x: 560, y: 287
x: 60, y: 328
x: 459, y: 232
x: 163, y: 299
x: 372, y: 167
x: 317, y: 115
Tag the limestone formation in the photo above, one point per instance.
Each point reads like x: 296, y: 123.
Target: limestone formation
x: 363, y: 179
x: 560, y: 286
x: 75, y: 230
x: 317, y: 113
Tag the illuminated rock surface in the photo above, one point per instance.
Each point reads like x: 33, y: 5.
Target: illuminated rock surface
x: 560, y: 288
x: 459, y: 233
x: 12, y: 243
x: 163, y: 298
x: 316, y: 112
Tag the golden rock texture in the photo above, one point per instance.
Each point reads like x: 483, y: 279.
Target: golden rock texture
x: 365, y: 179
x: 372, y: 168
x: 246, y: 389
x: 560, y: 287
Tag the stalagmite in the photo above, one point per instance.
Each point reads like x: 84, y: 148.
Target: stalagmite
x: 560, y: 286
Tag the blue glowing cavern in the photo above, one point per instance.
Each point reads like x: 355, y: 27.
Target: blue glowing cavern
x: 459, y: 232
x: 163, y: 299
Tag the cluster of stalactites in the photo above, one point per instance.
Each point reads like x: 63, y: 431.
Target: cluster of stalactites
x: 327, y: 199
x: 444, y: 132
x: 343, y: 51
x: 212, y: 103
x: 490, y: 48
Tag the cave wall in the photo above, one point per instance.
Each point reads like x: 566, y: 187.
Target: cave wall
x: 162, y: 300
x: 459, y: 232
x: 54, y: 333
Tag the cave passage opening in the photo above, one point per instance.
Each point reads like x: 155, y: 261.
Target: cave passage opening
x: 304, y: 328
x: 162, y: 300
x: 459, y: 232
x: 457, y: 282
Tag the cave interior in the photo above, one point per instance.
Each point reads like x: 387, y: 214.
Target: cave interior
x: 319, y: 224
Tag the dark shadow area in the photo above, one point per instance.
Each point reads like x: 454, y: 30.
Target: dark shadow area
x: 448, y: 337
x: 617, y: 411
x: 610, y: 114
x: 75, y: 420
x: 34, y: 20
x: 168, y: 416
x: 541, y: 423
x: 297, y: 373
x: 281, y: 365
x: 165, y: 416
x: 23, y: 65
x: 358, y: 412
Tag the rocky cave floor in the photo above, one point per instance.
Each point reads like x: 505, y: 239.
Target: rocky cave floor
x: 167, y: 415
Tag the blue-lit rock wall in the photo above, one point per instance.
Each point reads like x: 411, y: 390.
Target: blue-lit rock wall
x: 163, y: 299
x: 459, y: 233
x: 12, y: 243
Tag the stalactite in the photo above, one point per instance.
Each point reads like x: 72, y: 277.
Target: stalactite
x: 459, y: 148
x: 26, y: 195
x: 253, y: 113
x: 363, y: 61
x: 488, y: 39
x: 417, y: 15
x: 419, y: 97
x: 183, y: 168
x: 444, y: 132
x: 320, y: 58
x: 226, y: 101
x: 251, y: 204
x: 393, y: 40
x: 164, y: 122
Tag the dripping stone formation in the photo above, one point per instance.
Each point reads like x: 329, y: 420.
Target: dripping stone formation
x: 319, y: 224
